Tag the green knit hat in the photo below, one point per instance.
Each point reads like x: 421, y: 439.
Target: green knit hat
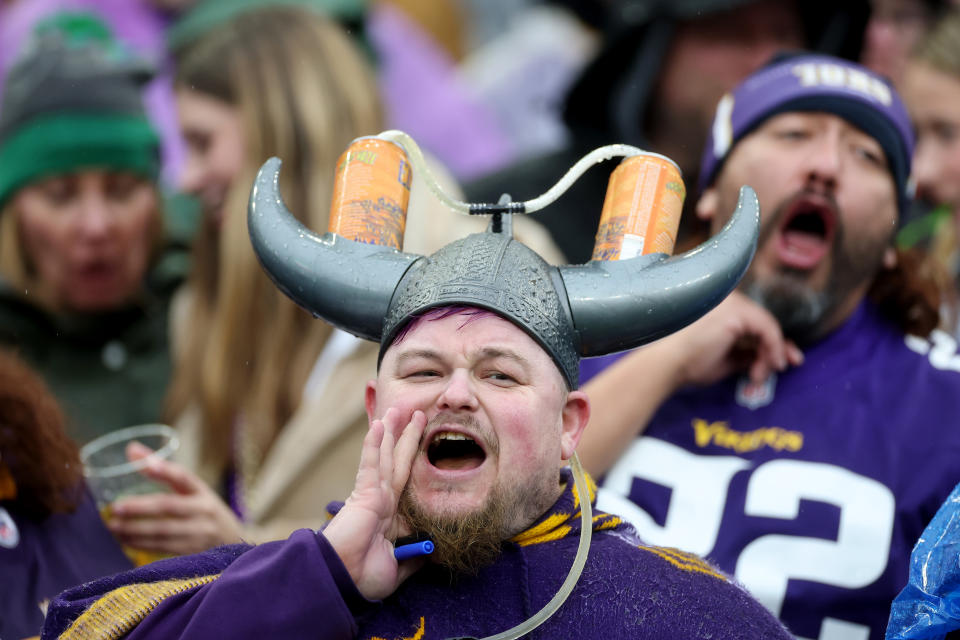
x: 209, y: 14
x: 71, y: 101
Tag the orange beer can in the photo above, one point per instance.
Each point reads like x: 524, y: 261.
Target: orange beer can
x: 641, y: 211
x: 371, y: 191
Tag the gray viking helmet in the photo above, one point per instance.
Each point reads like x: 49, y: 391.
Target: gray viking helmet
x: 572, y: 311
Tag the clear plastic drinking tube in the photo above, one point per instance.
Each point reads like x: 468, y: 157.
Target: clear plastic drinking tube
x: 420, y: 167
x: 586, y: 532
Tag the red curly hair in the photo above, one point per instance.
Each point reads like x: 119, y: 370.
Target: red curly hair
x: 34, y: 447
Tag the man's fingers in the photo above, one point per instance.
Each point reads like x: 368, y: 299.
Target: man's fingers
x: 396, y: 424
x: 794, y: 354
x: 386, y: 446
x: 759, y: 370
x: 771, y: 342
x: 773, y: 351
x: 406, y: 450
x: 367, y: 473
x: 395, y: 421
x: 760, y: 344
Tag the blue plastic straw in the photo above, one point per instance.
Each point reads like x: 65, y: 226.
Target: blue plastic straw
x: 413, y: 550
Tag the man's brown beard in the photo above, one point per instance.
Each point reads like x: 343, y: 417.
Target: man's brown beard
x: 805, y: 313
x: 463, y: 544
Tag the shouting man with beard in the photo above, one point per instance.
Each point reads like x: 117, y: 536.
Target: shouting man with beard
x: 809, y: 480
x: 474, y: 415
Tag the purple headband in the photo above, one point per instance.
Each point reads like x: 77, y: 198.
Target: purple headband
x: 814, y: 83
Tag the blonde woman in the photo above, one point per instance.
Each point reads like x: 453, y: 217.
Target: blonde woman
x: 265, y: 396
x: 931, y: 89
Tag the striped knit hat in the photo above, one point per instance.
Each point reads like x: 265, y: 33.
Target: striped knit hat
x: 73, y: 101
x: 807, y: 82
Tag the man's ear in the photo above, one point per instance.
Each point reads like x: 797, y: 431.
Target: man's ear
x: 370, y: 399
x: 707, y: 204
x: 576, y: 413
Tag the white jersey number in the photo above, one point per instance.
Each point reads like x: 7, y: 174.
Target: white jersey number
x: 699, y: 487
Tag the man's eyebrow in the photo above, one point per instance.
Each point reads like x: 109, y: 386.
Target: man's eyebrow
x: 412, y: 354
x: 489, y: 353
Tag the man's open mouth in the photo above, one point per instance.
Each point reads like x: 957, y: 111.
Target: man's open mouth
x: 806, y: 233
x: 454, y: 451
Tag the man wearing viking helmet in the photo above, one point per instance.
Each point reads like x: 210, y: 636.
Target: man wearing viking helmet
x: 474, y: 415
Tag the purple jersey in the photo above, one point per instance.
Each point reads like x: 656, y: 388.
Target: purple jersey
x: 812, y: 488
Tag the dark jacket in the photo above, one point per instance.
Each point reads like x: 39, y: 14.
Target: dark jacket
x: 107, y: 370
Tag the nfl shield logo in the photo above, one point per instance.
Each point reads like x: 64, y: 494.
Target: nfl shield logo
x: 9, y: 535
x: 754, y: 395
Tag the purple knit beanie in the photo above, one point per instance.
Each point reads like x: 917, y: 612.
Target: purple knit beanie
x: 814, y: 82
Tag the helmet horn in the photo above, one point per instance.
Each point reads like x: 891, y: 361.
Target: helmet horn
x: 347, y: 283
x: 621, y: 305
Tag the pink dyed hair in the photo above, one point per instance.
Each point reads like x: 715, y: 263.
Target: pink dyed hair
x: 439, y: 313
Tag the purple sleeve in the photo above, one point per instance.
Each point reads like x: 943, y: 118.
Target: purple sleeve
x: 296, y: 588
x: 589, y: 367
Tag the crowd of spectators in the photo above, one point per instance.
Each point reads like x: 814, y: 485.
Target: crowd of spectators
x: 799, y: 437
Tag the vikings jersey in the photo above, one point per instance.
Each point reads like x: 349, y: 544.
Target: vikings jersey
x: 813, y: 487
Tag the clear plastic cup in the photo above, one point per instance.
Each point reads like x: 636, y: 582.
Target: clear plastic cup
x: 110, y: 475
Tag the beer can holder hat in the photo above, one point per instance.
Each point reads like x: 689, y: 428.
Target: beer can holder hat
x: 572, y: 311
x: 807, y: 82
x: 371, y: 288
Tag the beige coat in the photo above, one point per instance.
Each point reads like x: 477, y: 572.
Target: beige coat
x: 314, y: 459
